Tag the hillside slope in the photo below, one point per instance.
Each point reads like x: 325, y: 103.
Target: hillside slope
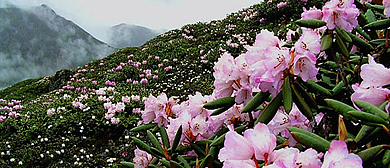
x: 72, y: 125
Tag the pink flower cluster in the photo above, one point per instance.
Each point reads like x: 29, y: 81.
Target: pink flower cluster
x: 341, y: 13
x: 371, y: 88
x: 282, y: 120
x: 12, y: 108
x: 265, y: 65
x: 141, y: 158
x: 259, y: 144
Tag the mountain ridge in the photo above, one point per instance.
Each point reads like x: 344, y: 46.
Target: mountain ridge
x: 38, y: 42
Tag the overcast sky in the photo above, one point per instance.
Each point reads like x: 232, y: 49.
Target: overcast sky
x: 97, y: 15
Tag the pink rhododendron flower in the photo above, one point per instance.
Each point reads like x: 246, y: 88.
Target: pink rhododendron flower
x: 341, y: 13
x: 135, y: 98
x: 373, y: 95
x: 309, y: 159
x: 262, y: 140
x: 236, y: 147
x: 282, y: 120
x: 144, y: 81
x: 281, y: 4
x: 141, y: 158
x: 2, y: 118
x: 239, y: 163
x: 120, y: 107
x: 258, y: 143
x: 338, y: 157
x: 304, y: 66
x: 231, y: 75
x: 126, y: 99
x: 118, y: 68
x: 292, y: 158
x: 386, y: 3
x: 381, y: 77
x: 309, y: 41
x: 312, y: 13
x: 267, y: 60
x: 50, y: 111
x: 114, y: 120
x: 158, y: 109
x: 183, y: 120
x: 195, y: 105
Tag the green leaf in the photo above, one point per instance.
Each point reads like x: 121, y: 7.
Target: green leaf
x: 378, y: 41
x: 370, y: 16
x: 370, y: 152
x: 310, y: 23
x: 256, y: 101
x: 360, y: 42
x: 165, y: 163
x: 182, y: 160
x: 143, y: 127
x: 363, y: 132
x: 213, y: 151
x: 362, y: 32
x: 379, y: 7
x: 380, y: 24
x: 307, y: 97
x: 318, y: 88
x: 177, y: 139
x: 154, y: 141
x: 386, y: 157
x: 367, y: 117
x: 164, y: 137
x: 343, y: 34
x: 341, y: 45
x: 383, y: 105
x: 220, y: 110
x: 197, y: 149
x: 127, y: 164
x: 207, y: 161
x: 157, y: 153
x: 141, y: 145
x: 341, y: 108
x: 271, y: 109
x: 326, y: 42
x: 221, y: 102
x: 371, y: 108
x: 177, y: 165
x: 204, y: 142
x: 301, y: 104
x: 219, y: 140
x: 287, y: 95
x: 309, y: 139
x: 153, y: 166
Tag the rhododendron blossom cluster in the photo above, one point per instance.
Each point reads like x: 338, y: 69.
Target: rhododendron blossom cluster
x: 265, y: 65
x: 341, y: 13
x: 371, y: 88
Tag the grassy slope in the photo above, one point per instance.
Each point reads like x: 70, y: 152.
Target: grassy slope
x: 86, y: 137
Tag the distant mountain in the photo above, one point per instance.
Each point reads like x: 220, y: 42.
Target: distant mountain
x: 125, y: 35
x: 37, y: 42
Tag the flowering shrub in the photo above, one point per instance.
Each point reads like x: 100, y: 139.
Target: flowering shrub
x: 269, y: 103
